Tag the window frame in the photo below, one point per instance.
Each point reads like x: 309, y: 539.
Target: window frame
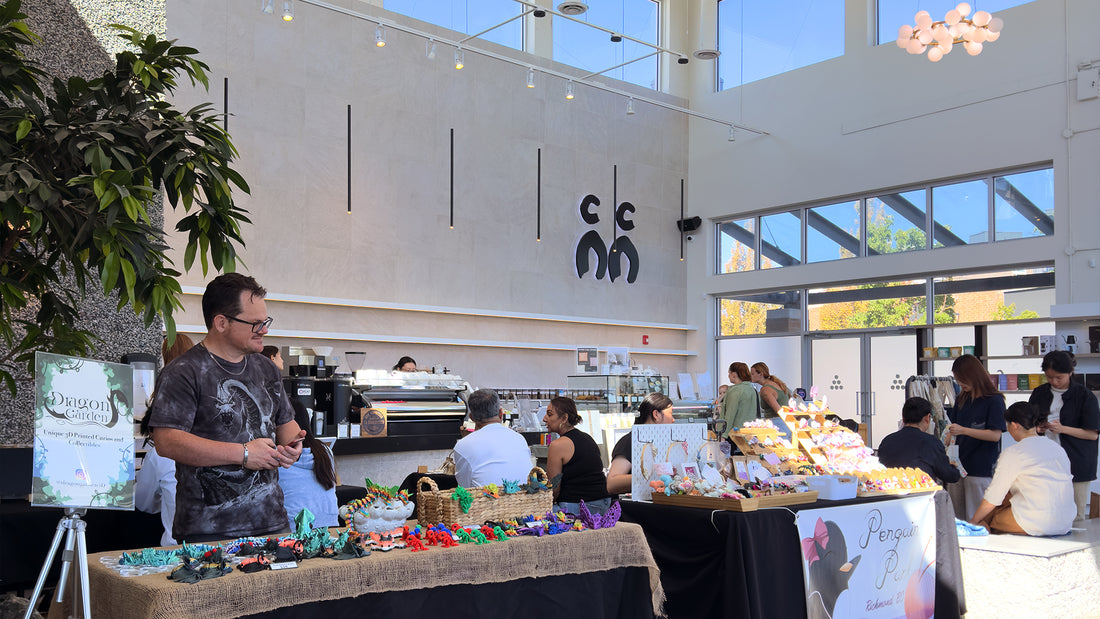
x: 989, y: 178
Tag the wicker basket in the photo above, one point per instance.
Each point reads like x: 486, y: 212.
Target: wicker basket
x: 434, y: 506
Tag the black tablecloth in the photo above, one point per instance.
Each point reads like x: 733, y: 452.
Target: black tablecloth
x: 621, y: 593
x: 732, y: 564
x: 26, y: 533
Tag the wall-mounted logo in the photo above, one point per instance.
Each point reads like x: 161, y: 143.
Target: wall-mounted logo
x: 608, y: 256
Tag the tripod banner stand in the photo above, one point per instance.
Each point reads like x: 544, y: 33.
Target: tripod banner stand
x: 83, y: 456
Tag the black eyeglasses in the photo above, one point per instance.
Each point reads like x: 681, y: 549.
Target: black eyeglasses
x: 257, y: 326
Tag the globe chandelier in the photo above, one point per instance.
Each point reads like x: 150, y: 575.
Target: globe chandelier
x: 939, y: 37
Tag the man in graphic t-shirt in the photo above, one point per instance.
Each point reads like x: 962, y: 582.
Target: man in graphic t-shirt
x: 220, y: 412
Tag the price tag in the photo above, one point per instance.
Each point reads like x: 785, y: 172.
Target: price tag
x: 284, y: 565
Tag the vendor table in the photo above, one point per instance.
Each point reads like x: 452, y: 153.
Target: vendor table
x: 733, y: 564
x: 600, y: 573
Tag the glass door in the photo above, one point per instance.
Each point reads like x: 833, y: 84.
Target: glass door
x: 837, y: 373
x: 891, y: 361
x: 864, y: 376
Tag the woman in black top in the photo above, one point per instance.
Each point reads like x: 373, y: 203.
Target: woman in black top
x: 655, y: 408
x: 977, y: 421
x: 575, y: 456
x: 1074, y: 418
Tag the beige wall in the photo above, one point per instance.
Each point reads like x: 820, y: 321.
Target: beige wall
x: 289, y: 85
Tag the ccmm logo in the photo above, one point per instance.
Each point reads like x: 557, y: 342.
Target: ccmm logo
x: 608, y: 258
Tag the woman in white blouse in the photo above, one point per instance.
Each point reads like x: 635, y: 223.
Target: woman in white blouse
x: 1032, y: 489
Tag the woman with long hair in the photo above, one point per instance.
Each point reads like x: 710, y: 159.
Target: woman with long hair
x: 1032, y: 488
x: 576, y: 457
x: 155, y: 481
x: 774, y: 393
x: 977, y: 421
x: 741, y: 402
x: 655, y: 408
x: 311, y: 481
x: 1072, y: 421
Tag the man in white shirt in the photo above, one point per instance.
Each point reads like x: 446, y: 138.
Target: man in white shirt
x: 492, y: 453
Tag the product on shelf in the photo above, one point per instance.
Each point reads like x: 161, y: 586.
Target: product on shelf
x: 894, y: 481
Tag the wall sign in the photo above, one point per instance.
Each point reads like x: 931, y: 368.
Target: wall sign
x: 608, y: 256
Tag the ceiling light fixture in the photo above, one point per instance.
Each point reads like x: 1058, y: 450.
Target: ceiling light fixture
x: 572, y: 7
x: 534, y: 9
x: 460, y: 57
x: 288, y: 10
x: 616, y: 38
x: 530, y: 77
x: 267, y: 6
x: 939, y: 37
x: 630, y: 106
x: 569, y: 93
x: 380, y: 36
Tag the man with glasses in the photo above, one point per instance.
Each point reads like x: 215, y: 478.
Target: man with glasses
x: 220, y: 412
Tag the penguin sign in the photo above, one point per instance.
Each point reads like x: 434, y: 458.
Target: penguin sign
x: 608, y: 259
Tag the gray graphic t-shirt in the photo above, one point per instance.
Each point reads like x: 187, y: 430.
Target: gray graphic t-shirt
x: 227, y: 402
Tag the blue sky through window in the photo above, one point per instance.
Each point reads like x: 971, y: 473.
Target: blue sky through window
x: 467, y: 16
x: 590, y: 49
x: 761, y: 39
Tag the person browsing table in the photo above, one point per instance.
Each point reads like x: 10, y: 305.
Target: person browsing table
x: 977, y: 421
x: 741, y: 403
x: 913, y: 446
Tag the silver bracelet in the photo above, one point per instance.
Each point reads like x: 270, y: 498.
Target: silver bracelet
x: 244, y: 461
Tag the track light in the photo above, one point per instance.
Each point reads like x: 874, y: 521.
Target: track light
x: 530, y: 77
x: 267, y: 6
x: 429, y: 49
x: 630, y: 106
x: 459, y: 59
x: 380, y: 36
x: 616, y: 38
x: 288, y: 10
x: 682, y: 60
x: 731, y: 138
x: 569, y: 93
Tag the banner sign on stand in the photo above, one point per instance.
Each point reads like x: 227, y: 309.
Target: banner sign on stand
x: 83, y: 433
x: 872, y: 560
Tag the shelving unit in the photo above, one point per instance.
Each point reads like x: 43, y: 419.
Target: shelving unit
x: 925, y: 339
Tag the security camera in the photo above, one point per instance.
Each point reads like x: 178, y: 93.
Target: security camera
x: 691, y: 237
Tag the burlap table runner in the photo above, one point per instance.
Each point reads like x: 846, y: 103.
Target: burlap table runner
x: 154, y: 596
